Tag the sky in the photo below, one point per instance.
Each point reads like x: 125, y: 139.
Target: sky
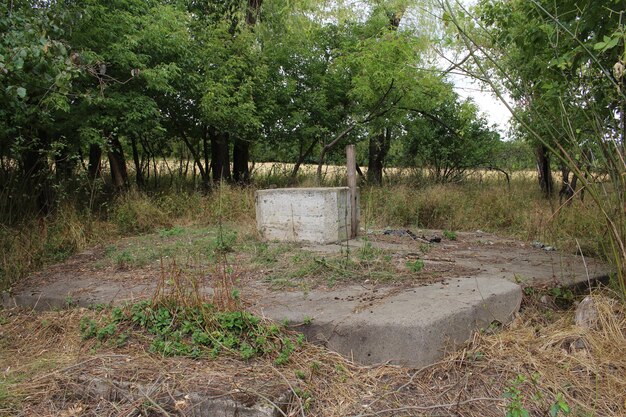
x: 493, y: 109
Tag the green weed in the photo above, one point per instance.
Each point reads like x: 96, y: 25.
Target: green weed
x: 449, y: 235
x: 559, y: 406
x: 173, y: 231
x: 415, y: 266
x: 515, y: 406
x: 199, y: 331
x: 488, y: 205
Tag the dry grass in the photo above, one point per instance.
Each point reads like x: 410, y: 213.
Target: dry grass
x: 46, y: 369
x: 486, y: 204
x: 520, y: 212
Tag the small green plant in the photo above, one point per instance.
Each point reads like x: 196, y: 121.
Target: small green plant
x: 300, y: 374
x: 305, y: 396
x: 559, y: 406
x: 225, y: 241
x: 194, y: 331
x: 415, y: 266
x: 307, y: 320
x: 70, y: 301
x: 123, y: 259
x: 475, y: 355
x: 563, y: 297
x: 367, y: 252
x: 315, y: 366
x: 173, y: 231
x: 449, y: 235
x: 106, y: 331
x: 88, y: 328
x: 515, y: 407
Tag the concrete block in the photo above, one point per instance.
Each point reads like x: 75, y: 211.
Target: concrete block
x: 413, y: 327
x: 311, y: 215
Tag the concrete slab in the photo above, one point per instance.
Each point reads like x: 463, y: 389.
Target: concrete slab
x: 409, y: 322
x: 312, y: 215
x: 410, y: 326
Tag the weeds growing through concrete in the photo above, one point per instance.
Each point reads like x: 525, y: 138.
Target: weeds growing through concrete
x: 484, y: 205
x: 181, y: 320
x: 546, y: 362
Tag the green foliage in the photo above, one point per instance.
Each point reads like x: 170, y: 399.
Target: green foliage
x: 88, y: 328
x: 559, y: 406
x: 449, y: 235
x: 562, y: 63
x: 173, y: 231
x: 368, y: 252
x: 137, y: 214
x: 448, y: 136
x: 415, y: 266
x: 515, y: 406
x: 225, y: 240
x: 176, y: 80
x: 199, y: 331
x: 516, y: 395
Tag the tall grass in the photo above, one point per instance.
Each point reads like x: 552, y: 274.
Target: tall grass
x: 487, y: 203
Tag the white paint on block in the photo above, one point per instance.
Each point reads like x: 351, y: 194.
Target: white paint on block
x: 313, y: 215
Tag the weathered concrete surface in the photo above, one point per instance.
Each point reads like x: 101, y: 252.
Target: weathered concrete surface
x: 409, y: 326
x: 407, y: 323
x: 313, y: 215
x: 487, y: 254
x: 69, y: 291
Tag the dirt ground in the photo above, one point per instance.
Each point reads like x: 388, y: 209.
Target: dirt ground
x: 538, y: 362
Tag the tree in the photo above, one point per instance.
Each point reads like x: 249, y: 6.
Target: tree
x: 540, y: 52
x: 450, y: 138
x: 37, y: 75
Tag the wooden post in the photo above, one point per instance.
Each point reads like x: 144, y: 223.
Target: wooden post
x: 351, y: 164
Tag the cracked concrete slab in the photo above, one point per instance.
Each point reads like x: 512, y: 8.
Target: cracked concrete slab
x: 475, y: 284
x: 411, y: 327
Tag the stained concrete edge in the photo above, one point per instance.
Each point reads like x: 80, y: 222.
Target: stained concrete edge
x: 411, y: 328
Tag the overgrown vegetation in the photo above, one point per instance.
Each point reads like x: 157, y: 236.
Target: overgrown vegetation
x: 186, y: 96
x: 199, y: 331
x: 188, y: 229
x: 562, y: 66
x: 139, y: 128
x: 541, y: 364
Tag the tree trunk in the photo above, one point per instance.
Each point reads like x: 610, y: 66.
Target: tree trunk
x: 206, y: 150
x: 64, y: 165
x: 204, y: 171
x: 117, y: 162
x: 138, y: 166
x: 379, y: 144
x: 252, y: 14
x: 543, y: 170
x: 241, y: 158
x: 303, y: 156
x: 220, y: 160
x: 94, y: 168
x: 35, y: 170
x: 568, y: 188
x: 378, y: 149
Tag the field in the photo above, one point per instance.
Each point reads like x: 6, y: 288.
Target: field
x: 540, y: 364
